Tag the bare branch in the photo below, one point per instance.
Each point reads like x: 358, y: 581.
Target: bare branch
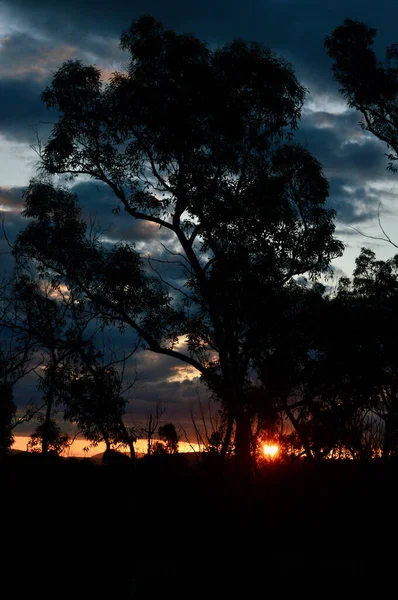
x: 386, y: 237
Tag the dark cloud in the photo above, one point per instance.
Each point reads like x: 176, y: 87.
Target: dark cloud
x: 21, y: 110
x: 352, y: 205
x: 24, y: 54
x: 294, y: 28
x: 351, y: 159
x: 340, y: 145
x: 67, y: 20
x: 178, y: 398
x: 11, y: 224
x: 27, y: 63
x: 11, y: 199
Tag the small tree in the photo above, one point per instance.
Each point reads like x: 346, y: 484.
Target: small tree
x: 57, y: 440
x: 168, y: 434
x: 152, y: 422
x: 55, y: 322
x: 158, y: 448
x: 17, y: 359
x: 94, y: 400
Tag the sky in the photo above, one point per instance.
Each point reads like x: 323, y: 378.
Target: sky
x: 37, y: 37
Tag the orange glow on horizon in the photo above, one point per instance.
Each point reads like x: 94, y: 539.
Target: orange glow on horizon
x: 270, y: 450
x: 77, y: 448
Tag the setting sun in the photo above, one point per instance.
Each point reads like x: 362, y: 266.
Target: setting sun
x: 271, y: 450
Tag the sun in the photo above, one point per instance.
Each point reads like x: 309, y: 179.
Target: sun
x: 270, y: 450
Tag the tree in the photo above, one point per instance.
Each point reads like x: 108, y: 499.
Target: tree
x: 7, y: 415
x: 16, y: 361
x: 55, y: 321
x: 311, y: 369
x: 199, y: 142
x: 153, y: 419
x: 56, y: 440
x: 369, y: 85
x: 333, y: 371
x: 158, y: 448
x: 168, y: 434
x: 373, y: 294
x: 211, y: 430
x: 93, y: 399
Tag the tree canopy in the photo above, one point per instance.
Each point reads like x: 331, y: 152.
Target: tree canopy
x: 199, y: 142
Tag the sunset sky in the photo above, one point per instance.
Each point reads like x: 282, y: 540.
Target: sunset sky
x: 37, y: 36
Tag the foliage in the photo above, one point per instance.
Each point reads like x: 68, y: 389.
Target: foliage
x: 369, y: 85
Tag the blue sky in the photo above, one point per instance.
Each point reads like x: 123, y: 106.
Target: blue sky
x: 36, y: 37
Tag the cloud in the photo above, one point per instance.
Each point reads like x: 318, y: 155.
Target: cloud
x: 179, y: 398
x: 352, y: 205
x: 27, y: 63
x: 97, y: 201
x: 11, y: 199
x: 12, y: 223
x: 341, y: 146
x: 353, y: 161
x: 21, y: 110
x: 294, y: 29
x: 25, y: 56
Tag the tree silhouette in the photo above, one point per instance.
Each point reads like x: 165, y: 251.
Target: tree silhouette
x: 373, y: 294
x: 197, y: 141
x: 168, y: 434
x: 56, y: 440
x: 56, y: 323
x: 337, y: 383
x: 17, y: 359
x: 305, y: 368
x: 93, y: 399
x: 369, y: 86
x: 212, y: 430
x: 153, y: 419
x: 7, y: 416
x: 158, y: 448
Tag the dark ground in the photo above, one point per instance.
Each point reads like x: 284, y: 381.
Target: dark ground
x: 160, y: 530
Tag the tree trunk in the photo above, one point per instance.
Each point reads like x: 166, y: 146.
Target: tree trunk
x: 46, y: 424
x: 127, y: 439
x: 227, y: 438
x: 149, y: 432
x: 132, y: 451
x: 107, y: 442
x: 303, y: 438
x: 387, y: 439
x: 243, y: 458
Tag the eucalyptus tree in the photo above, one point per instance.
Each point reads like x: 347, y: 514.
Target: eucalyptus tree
x: 198, y: 142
